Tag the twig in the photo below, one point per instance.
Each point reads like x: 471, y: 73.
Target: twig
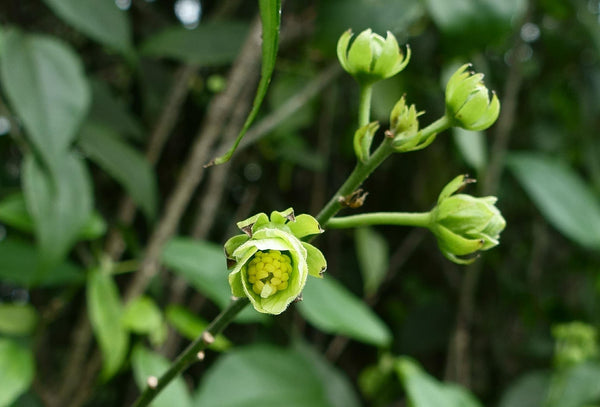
x: 192, y: 352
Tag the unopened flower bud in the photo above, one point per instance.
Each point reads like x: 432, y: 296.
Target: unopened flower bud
x: 463, y: 224
x: 270, y: 262
x: 404, y: 126
x: 468, y: 103
x: 363, y: 138
x: 371, y: 58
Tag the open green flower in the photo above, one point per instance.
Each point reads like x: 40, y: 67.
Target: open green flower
x: 270, y: 263
x: 371, y: 58
x: 464, y: 224
x: 468, y: 103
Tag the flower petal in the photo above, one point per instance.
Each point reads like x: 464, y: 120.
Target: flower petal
x: 304, y: 225
x: 232, y: 244
x: 315, y: 260
x: 282, y: 217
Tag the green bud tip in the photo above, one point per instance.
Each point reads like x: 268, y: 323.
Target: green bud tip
x: 468, y: 103
x: 370, y: 57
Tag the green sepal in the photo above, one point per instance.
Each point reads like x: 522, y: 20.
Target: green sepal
x: 232, y: 244
x: 453, y: 186
x: 305, y: 225
x: 457, y: 244
x: 317, y: 265
x: 342, y: 49
x: 388, y: 56
x: 237, y: 289
x: 250, y: 225
x: 281, y: 218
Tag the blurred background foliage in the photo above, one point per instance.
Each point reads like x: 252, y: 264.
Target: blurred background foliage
x: 108, y: 107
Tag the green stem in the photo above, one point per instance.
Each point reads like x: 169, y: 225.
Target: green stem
x: 190, y: 354
x: 364, y: 105
x: 420, y: 219
x: 436, y: 127
x: 360, y: 173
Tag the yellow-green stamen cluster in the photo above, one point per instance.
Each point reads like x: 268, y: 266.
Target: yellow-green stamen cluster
x: 269, y: 272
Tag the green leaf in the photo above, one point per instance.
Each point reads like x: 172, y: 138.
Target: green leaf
x: 100, y: 20
x: 472, y: 147
x: 13, y: 212
x: 373, y: 258
x: 203, y: 265
x: 332, y: 308
x: 129, y: 167
x: 146, y: 363
x: 338, y: 389
x: 528, y: 391
x: 17, y: 369
x: 112, y: 111
x: 575, y: 387
x: 19, y: 265
x: 564, y: 199
x: 473, y: 24
x: 17, y: 319
x: 105, y: 312
x: 191, y: 326
x: 142, y: 316
x: 425, y: 391
x: 262, y: 375
x: 270, y: 16
x: 60, y: 206
x: 46, y: 86
x: 213, y: 43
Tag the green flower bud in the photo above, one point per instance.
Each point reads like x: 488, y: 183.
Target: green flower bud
x: 371, y: 58
x: 404, y: 126
x: 270, y: 264
x: 463, y: 224
x: 363, y: 138
x: 468, y: 103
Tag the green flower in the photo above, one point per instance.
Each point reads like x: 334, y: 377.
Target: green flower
x: 371, y: 58
x: 468, y: 103
x: 404, y: 127
x: 270, y: 263
x: 463, y: 224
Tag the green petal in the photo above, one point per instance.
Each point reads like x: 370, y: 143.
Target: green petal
x: 282, y: 217
x: 235, y: 281
x: 304, y: 225
x: 390, y: 53
x: 453, y: 258
x: 360, y: 53
x: 342, y: 49
x: 250, y: 225
x: 232, y: 244
x: 315, y: 260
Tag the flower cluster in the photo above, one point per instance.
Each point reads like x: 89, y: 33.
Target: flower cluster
x: 270, y: 264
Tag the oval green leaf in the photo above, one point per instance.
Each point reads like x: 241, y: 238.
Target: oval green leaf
x: 564, y: 199
x: 128, y: 166
x: 105, y: 312
x: 60, y: 205
x: 100, y: 20
x: 17, y: 369
x: 46, y: 86
x: 332, y: 308
x: 17, y: 319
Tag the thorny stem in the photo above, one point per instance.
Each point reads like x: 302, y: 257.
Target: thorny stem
x: 190, y: 354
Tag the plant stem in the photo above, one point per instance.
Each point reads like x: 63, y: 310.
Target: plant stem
x: 364, y: 105
x: 190, y: 354
x: 357, y: 177
x: 420, y: 219
x: 362, y: 170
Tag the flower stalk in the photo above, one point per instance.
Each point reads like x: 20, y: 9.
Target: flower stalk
x: 417, y: 219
